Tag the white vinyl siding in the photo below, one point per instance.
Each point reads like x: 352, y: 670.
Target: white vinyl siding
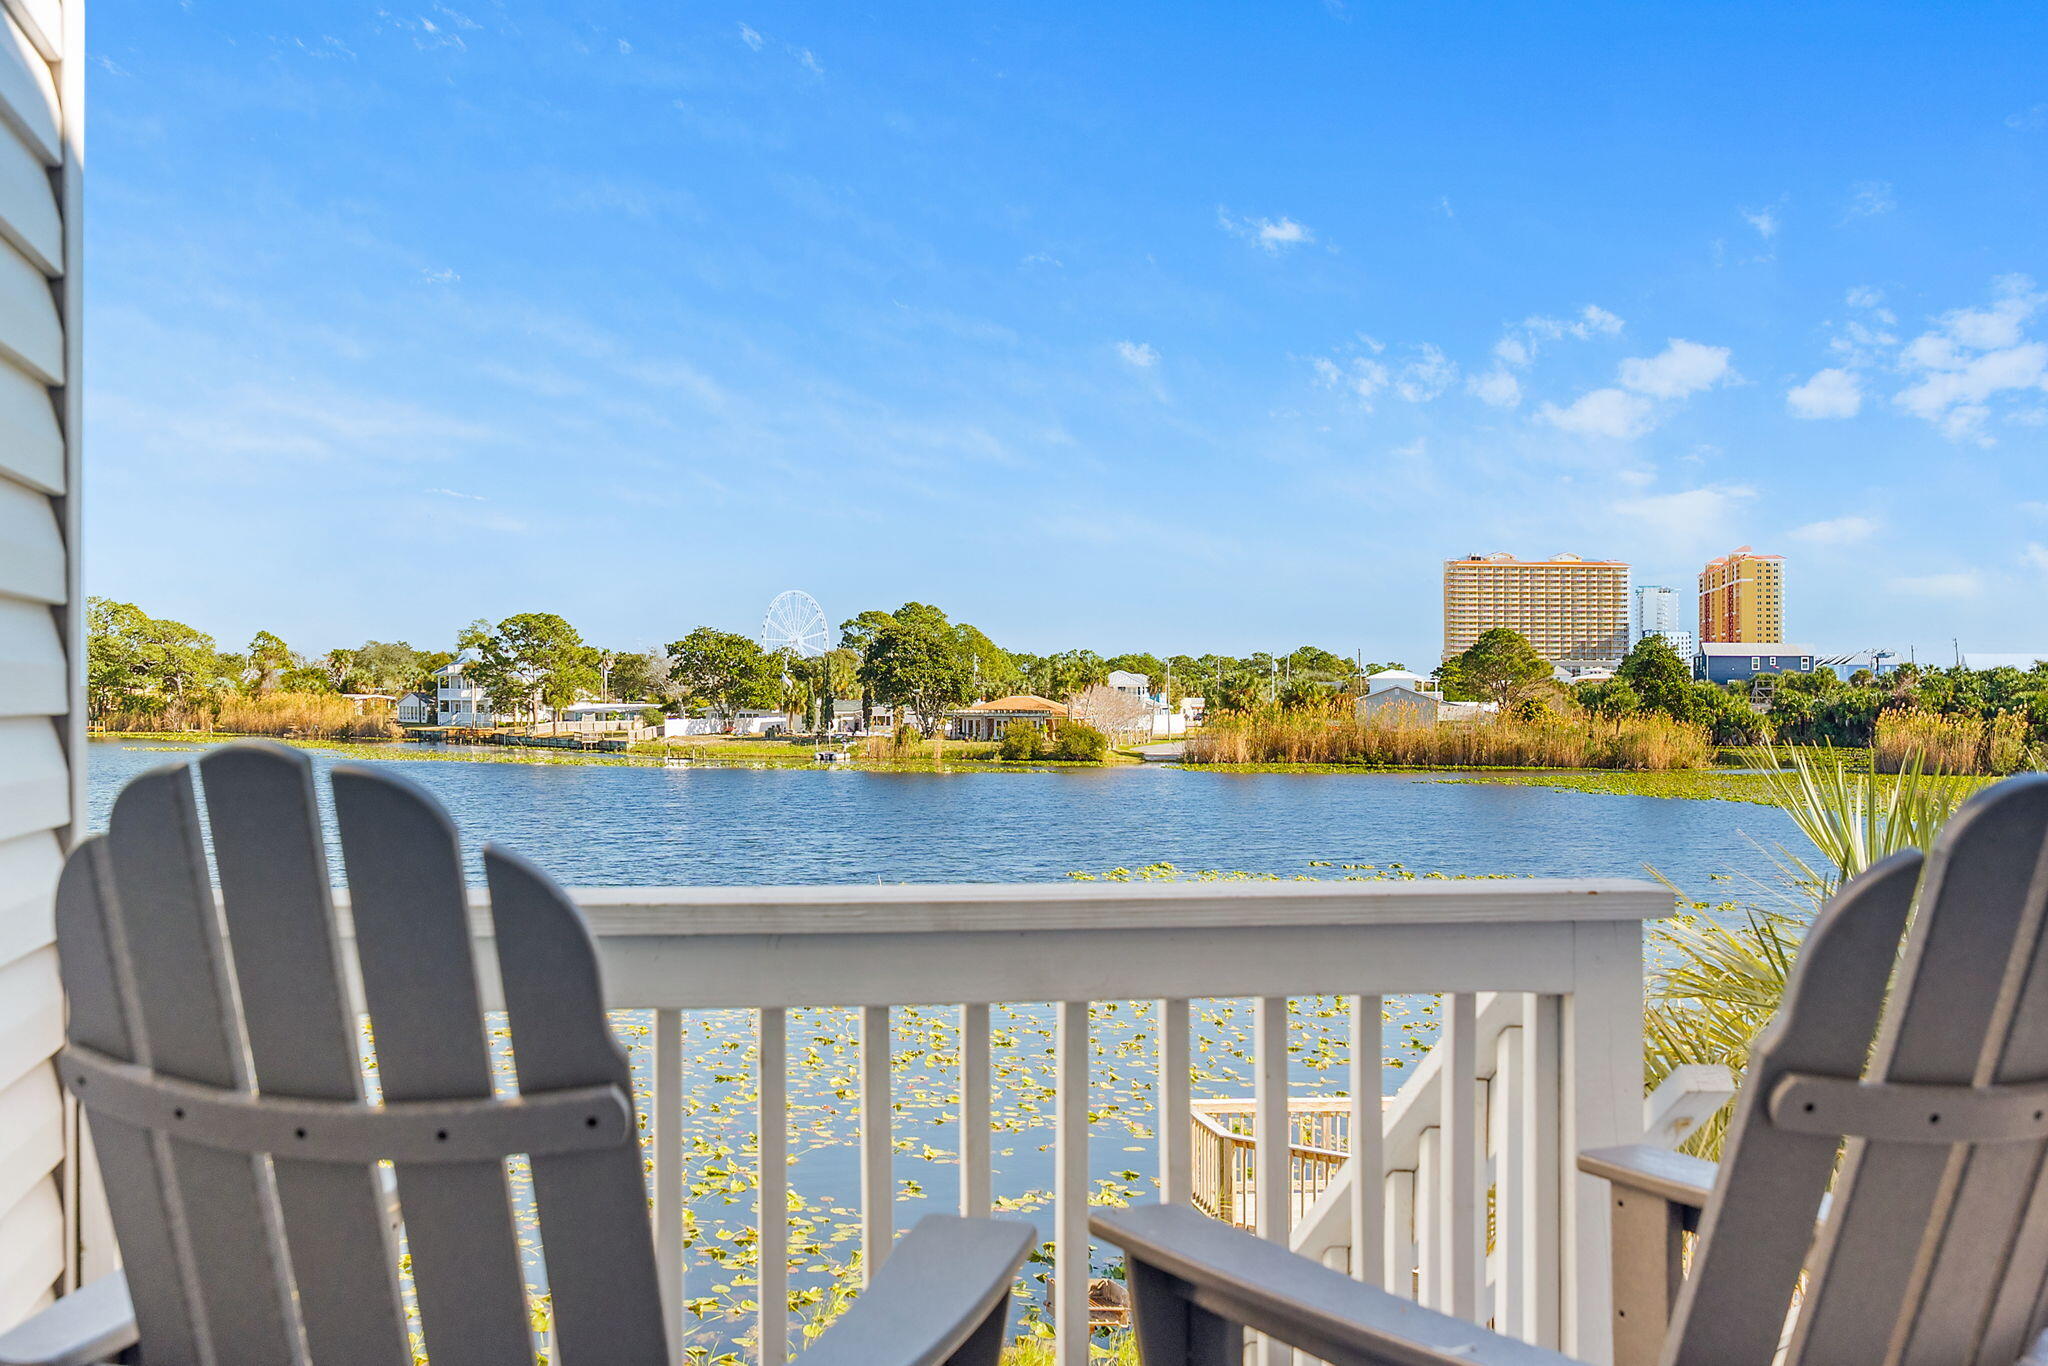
x: 39, y: 629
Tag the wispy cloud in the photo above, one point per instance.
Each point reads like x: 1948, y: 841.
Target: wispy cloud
x: 1687, y: 518
x: 2029, y: 120
x: 2035, y: 556
x: 1682, y: 368
x: 1141, y: 354
x: 443, y: 276
x: 1521, y: 342
x: 1420, y: 373
x: 1609, y: 413
x: 1837, y: 531
x: 1271, y: 234
x: 1952, y: 587
x: 1496, y: 388
x: 751, y: 37
x: 1870, y: 198
x: 1830, y: 393
x: 1764, y: 220
x: 457, y: 493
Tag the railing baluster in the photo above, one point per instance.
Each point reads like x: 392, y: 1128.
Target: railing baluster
x: 1070, y: 1185
x: 1429, y: 1262
x: 1368, y: 1143
x: 665, y: 1118
x: 1397, y: 1254
x: 877, y: 1141
x: 1458, y: 1179
x: 1542, y: 1139
x: 1272, y: 1180
x: 1507, y: 1114
x: 1176, y: 1102
x: 977, y: 1180
x: 773, y: 1202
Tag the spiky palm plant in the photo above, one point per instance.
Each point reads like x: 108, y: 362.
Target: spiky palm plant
x: 1719, y: 970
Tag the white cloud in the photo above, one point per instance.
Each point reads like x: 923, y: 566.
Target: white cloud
x: 1522, y: 341
x: 1837, y: 531
x: 1273, y: 234
x: 751, y: 37
x: 811, y: 63
x: 1869, y: 198
x: 625, y: 48
x: 1444, y: 205
x: 1361, y: 376
x: 1141, y: 354
x: 1830, y: 393
x: 1681, y: 368
x: 1765, y: 221
x: 2036, y: 555
x: 1864, y: 296
x: 1965, y: 584
x: 1972, y: 356
x: 457, y: 493
x: 443, y: 276
x: 1424, y: 378
x: 1610, y: 413
x: 1496, y: 388
x: 1687, y: 518
x: 2028, y: 120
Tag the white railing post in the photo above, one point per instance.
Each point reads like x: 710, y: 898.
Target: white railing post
x: 877, y: 1142
x: 1272, y: 1183
x: 1368, y: 1144
x: 977, y: 1195
x: 1603, y: 1066
x: 664, y: 1125
x: 1176, y: 1104
x: 1070, y: 1185
x: 1457, y: 1214
x: 1506, y: 1115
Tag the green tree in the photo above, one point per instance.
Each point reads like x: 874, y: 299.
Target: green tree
x: 857, y: 634
x: 724, y: 671
x: 1611, y: 698
x: 916, y: 663
x: 1498, y: 666
x: 136, y: 663
x: 1659, y: 677
x: 265, y: 663
x: 530, y: 661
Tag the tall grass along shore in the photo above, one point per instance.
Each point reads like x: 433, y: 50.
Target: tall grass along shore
x: 1642, y: 742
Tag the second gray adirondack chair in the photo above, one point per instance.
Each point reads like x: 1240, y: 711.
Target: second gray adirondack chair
x: 1923, y: 1072
x: 213, y: 1041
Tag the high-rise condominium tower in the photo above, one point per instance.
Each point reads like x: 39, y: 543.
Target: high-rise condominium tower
x: 1657, y: 614
x: 1742, y: 598
x: 1574, y: 611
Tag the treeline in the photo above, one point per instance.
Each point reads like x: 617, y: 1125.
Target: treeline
x: 145, y: 672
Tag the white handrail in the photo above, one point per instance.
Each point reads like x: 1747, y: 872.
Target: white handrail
x: 1560, y: 960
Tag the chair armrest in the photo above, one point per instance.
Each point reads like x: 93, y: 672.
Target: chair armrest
x: 943, y: 1296
x: 91, y: 1325
x: 1687, y: 1182
x: 1193, y: 1278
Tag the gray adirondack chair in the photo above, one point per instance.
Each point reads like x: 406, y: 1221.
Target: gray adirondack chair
x: 1925, y: 1073
x: 212, y: 1044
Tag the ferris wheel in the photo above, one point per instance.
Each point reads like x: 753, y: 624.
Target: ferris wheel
x: 796, y: 623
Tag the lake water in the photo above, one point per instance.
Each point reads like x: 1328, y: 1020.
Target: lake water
x: 592, y: 825
x: 653, y: 826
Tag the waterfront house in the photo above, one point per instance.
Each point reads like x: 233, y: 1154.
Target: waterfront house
x: 416, y: 709
x: 459, y: 700
x: 366, y: 702
x: 1734, y: 661
x: 1399, y: 706
x: 591, y: 718
x: 988, y: 720
x: 1133, y: 684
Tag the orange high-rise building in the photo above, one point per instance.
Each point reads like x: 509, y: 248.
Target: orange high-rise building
x: 1742, y: 598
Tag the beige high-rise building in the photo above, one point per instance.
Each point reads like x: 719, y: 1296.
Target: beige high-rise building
x: 1742, y: 598
x: 1573, y: 610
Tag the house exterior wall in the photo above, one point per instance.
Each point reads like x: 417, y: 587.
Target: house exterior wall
x: 41, y: 627
x: 1716, y: 666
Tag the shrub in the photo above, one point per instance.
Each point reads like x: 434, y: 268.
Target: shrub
x: 1022, y: 740
x: 1079, y: 742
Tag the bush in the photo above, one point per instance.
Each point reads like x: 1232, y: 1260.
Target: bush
x: 1078, y: 742
x: 1022, y: 740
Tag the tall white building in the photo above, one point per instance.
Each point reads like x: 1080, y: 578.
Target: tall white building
x: 1655, y: 612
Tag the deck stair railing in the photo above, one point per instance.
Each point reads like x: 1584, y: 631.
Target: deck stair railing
x: 1226, y: 1155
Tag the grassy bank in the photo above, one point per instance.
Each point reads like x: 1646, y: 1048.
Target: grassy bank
x: 1637, y: 742
x: 279, y: 715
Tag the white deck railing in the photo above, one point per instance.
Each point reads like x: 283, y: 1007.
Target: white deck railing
x: 1542, y: 978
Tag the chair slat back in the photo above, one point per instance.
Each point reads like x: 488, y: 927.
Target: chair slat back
x: 239, y: 1250
x: 1931, y: 1250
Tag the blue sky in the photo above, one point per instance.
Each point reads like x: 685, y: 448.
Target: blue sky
x: 1163, y: 327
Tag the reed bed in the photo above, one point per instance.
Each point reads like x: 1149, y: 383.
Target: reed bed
x: 1633, y: 742
x: 313, y: 716
x: 1952, y: 744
